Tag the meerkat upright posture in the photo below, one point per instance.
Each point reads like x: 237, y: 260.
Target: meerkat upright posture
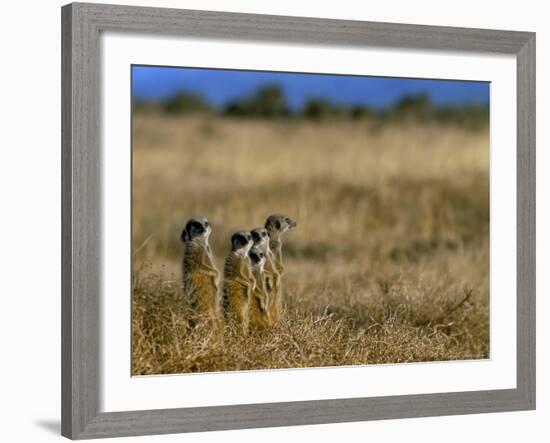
x: 271, y: 276
x: 238, y: 280
x: 276, y: 225
x: 260, y: 236
x: 199, y: 273
x: 258, y: 306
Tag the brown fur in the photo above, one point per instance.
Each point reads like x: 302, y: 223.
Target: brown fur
x: 200, y: 279
x: 276, y: 225
x: 270, y: 276
x: 259, y: 313
x: 238, y: 286
x: 275, y: 273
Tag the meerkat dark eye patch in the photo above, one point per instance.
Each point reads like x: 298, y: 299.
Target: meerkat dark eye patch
x: 196, y: 228
x: 278, y: 224
x: 255, y: 236
x: 254, y: 257
x: 192, y: 230
x: 238, y: 241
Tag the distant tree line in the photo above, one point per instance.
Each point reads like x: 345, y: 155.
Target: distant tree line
x: 270, y: 102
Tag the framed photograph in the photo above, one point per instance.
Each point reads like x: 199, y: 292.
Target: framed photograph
x: 274, y: 221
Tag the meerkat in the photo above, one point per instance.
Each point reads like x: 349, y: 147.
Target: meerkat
x: 260, y: 237
x: 276, y: 225
x: 238, y: 280
x: 258, y: 305
x: 199, y: 274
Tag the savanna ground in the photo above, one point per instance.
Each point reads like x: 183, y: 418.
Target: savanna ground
x: 389, y: 262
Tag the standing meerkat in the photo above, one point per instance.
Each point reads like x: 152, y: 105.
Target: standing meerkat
x: 276, y: 225
x: 199, y: 274
x: 260, y: 236
x: 238, y: 280
x: 258, y: 305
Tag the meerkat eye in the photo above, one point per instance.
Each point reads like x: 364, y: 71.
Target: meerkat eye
x: 264, y: 235
x: 278, y: 224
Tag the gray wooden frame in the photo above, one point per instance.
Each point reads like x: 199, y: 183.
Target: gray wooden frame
x: 81, y: 165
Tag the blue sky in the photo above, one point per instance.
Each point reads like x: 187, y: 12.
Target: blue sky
x: 221, y: 86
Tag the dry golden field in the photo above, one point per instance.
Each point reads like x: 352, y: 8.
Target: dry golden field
x: 389, y: 262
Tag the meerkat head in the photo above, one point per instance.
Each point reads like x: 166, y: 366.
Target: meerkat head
x: 257, y: 257
x: 241, y: 242
x: 277, y: 224
x: 196, y: 228
x: 260, y: 237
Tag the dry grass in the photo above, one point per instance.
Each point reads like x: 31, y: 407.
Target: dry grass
x: 389, y: 263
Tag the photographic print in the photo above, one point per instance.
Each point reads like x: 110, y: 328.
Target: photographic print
x: 293, y: 220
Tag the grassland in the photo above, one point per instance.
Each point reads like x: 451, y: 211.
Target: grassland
x: 389, y: 262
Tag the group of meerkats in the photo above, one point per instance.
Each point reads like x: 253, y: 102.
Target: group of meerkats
x: 251, y: 293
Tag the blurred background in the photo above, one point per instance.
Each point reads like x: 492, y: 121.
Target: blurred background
x: 312, y: 96
x: 387, y: 178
